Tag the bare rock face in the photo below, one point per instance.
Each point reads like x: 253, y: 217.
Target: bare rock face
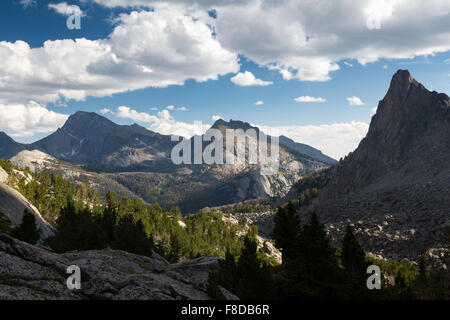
x: 395, y: 187
x: 29, y: 272
x: 12, y: 206
x: 35, y: 159
x: 3, y: 175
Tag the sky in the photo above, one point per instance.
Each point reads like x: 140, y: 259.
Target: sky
x: 311, y: 70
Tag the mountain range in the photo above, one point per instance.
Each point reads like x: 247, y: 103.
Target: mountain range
x: 394, y: 189
x: 136, y: 162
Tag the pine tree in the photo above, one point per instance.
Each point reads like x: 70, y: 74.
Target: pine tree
x: 286, y: 232
x: 130, y: 236
x: 27, y: 231
x: 77, y: 230
x: 226, y: 276
x: 111, y: 201
x: 255, y: 278
x: 354, y: 263
x: 316, y: 262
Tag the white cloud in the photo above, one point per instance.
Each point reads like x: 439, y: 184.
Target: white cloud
x: 182, y: 109
x: 335, y: 140
x: 374, y: 110
x: 170, y: 107
x: 128, y: 113
x: 354, y: 101
x: 447, y: 61
x: 162, y: 123
x: 216, y: 117
x: 27, y: 3
x: 305, y: 39
x: 348, y: 64
x: 151, y: 3
x: 146, y: 49
x: 66, y: 9
x: 247, y: 78
x: 259, y: 103
x: 105, y: 111
x: 154, y: 109
x: 309, y: 99
x: 28, y: 119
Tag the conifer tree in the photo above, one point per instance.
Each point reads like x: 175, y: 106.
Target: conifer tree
x: 130, y: 236
x: 286, y: 232
x: 354, y: 263
x: 316, y: 260
x: 27, y: 231
x: 255, y: 278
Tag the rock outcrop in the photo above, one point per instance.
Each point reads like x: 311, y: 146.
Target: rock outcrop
x: 29, y: 272
x: 395, y: 187
x: 3, y: 175
x: 13, y: 204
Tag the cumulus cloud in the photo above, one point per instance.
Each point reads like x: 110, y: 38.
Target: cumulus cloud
x: 216, y: 117
x: 335, y: 140
x: 259, y: 103
x: 145, y: 49
x: 66, y: 9
x: 151, y: 3
x: 305, y: 39
x: 105, y: 111
x: 246, y: 79
x: 302, y: 40
x: 162, y: 123
x: 309, y: 99
x: 182, y: 109
x: 28, y: 119
x: 354, y: 101
x: 170, y: 107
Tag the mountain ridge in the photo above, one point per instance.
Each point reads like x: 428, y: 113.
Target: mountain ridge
x: 139, y: 160
x: 394, y: 188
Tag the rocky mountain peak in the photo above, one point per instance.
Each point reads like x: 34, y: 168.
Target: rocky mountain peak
x: 85, y: 121
x: 8, y: 147
x: 232, y: 124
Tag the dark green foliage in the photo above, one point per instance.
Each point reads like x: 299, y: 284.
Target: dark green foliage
x: 77, y: 229
x: 6, y: 165
x: 355, y: 265
x: 248, y: 206
x: 226, y: 275
x: 48, y: 191
x: 27, y: 231
x: 309, y: 187
x: 317, y: 269
x: 133, y: 226
x: 130, y: 236
x: 250, y: 278
x: 286, y: 232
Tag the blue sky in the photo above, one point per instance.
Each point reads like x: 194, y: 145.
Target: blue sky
x: 192, y: 70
